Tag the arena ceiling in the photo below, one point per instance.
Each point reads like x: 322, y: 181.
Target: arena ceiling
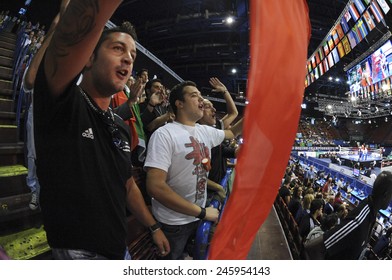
x: 193, y: 39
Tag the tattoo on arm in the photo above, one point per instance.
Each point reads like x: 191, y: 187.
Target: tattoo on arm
x: 78, y: 21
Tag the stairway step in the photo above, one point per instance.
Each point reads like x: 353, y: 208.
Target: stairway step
x: 6, y: 93
x: 6, y: 61
x: 8, y: 134
x: 26, y: 244
x: 12, y: 154
x: 7, y: 118
x: 6, y: 37
x: 13, y: 180
x: 6, y: 105
x: 7, y: 45
x: 13, y: 203
x: 5, y: 73
x: 7, y: 52
x: 5, y: 84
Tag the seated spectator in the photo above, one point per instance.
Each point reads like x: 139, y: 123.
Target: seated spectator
x: 329, y: 206
x: 295, y: 202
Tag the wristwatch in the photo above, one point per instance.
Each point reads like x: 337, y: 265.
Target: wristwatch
x: 154, y: 227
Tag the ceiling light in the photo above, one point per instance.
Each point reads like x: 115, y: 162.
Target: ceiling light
x: 233, y: 70
x: 229, y: 20
x: 337, y: 80
x: 330, y: 78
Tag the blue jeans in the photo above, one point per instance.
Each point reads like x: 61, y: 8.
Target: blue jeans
x: 178, y: 236
x: 31, y: 180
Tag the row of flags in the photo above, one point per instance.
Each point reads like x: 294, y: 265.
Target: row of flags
x: 359, y: 18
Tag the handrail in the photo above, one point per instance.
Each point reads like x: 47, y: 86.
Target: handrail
x: 200, y: 250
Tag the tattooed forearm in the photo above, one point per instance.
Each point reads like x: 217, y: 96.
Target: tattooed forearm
x: 78, y: 21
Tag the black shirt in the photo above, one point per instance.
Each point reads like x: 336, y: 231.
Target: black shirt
x: 81, y: 171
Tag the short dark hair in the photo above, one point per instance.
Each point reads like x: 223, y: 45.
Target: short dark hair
x: 139, y: 73
x: 150, y: 82
x: 126, y: 27
x: 177, y: 93
x: 315, y: 205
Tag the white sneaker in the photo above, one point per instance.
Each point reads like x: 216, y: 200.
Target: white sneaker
x: 34, y: 201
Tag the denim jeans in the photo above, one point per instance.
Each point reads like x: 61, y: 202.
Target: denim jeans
x: 31, y: 179
x: 178, y: 236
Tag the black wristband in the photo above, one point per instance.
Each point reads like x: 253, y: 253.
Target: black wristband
x: 154, y: 227
x: 202, y: 214
x: 153, y: 106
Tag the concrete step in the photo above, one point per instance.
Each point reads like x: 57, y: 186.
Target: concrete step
x: 8, y: 38
x: 13, y: 180
x: 5, y: 84
x: 7, y: 52
x: 12, y: 154
x: 6, y: 105
x: 5, y: 73
x: 7, y: 45
x: 6, y: 93
x: 7, y: 118
x: 8, y: 134
x: 6, y: 61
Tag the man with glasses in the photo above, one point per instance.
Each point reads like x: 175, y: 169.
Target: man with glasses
x: 83, y: 148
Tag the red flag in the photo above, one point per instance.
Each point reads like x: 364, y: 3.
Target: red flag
x: 280, y: 32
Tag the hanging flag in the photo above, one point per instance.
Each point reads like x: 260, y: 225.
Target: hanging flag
x: 346, y: 45
x: 362, y: 28
x: 268, y: 133
x: 344, y: 24
x: 326, y: 48
x: 375, y: 9
x: 360, y: 6
x: 341, y: 50
x: 321, y: 53
x: 353, y: 12
x: 384, y: 6
x: 339, y: 30
x: 369, y: 20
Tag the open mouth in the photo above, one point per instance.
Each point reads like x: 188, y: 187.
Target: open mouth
x: 123, y: 73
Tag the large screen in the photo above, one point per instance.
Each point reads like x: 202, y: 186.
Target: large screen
x: 373, y: 69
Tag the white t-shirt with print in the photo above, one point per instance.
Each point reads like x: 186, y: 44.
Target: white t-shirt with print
x: 178, y: 150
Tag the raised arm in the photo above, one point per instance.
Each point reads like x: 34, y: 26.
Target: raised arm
x: 231, y: 109
x: 75, y: 38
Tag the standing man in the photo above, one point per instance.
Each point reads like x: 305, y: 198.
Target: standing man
x: 83, y: 148
x: 177, y: 164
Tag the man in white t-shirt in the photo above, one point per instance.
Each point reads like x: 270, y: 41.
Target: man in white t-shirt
x: 177, y: 165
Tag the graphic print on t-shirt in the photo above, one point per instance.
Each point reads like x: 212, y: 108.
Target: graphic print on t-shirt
x: 200, y: 151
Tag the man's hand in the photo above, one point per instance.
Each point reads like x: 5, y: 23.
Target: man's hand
x: 217, y: 85
x: 161, y: 241
x: 212, y: 214
x: 135, y: 91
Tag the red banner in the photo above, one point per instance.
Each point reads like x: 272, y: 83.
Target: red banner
x: 280, y: 32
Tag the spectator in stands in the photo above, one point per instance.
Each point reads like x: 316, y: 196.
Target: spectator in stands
x: 311, y: 220
x: 142, y: 76
x: 329, y: 205
x: 342, y: 212
x: 338, y: 200
x: 219, y: 154
x: 156, y: 112
x: 307, y: 200
x: 284, y: 190
x: 348, y: 239
x: 295, y: 204
x: 177, y: 165
x: 327, y: 188
x: 83, y: 150
x: 309, y: 175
